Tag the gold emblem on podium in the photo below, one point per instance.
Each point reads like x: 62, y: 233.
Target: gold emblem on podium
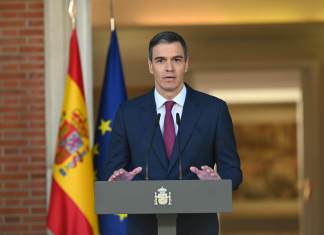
x: 162, y: 197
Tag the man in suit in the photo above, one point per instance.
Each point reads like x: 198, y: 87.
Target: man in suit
x: 145, y: 133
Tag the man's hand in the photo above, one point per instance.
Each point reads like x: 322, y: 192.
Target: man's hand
x: 123, y: 175
x: 206, y: 173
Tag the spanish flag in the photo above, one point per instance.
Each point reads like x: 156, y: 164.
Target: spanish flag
x: 71, y: 209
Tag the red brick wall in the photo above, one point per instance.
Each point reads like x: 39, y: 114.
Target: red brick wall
x: 22, y: 118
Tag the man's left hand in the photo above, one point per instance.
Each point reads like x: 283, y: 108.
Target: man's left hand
x: 206, y: 173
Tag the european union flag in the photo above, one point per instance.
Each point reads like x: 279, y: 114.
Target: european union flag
x: 112, y: 94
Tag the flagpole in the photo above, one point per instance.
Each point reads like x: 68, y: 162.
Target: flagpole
x: 72, y: 12
x: 112, y: 18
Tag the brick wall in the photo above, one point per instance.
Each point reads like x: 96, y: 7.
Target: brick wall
x: 22, y: 115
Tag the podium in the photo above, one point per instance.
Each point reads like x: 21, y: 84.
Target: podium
x: 164, y: 198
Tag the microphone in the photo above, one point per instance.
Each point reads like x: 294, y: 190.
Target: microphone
x: 156, y: 124
x: 178, y: 146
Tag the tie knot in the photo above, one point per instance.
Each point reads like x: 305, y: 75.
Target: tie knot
x: 169, y: 105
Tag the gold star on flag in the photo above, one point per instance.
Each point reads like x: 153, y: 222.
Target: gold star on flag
x: 95, y: 149
x: 122, y: 217
x: 104, y: 126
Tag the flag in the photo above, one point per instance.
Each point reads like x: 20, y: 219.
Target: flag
x: 113, y: 93
x: 71, y: 208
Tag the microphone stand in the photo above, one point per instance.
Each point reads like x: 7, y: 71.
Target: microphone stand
x: 178, y: 146
x: 156, y: 124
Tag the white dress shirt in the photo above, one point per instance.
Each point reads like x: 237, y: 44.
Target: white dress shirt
x: 177, y: 107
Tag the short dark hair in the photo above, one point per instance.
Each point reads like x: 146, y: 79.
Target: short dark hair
x: 167, y: 37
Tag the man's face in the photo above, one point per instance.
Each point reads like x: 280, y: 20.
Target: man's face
x: 168, y: 67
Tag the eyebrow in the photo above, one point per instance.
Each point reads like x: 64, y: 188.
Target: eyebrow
x: 175, y: 57
x: 178, y: 57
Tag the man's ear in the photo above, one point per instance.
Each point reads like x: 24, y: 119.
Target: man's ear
x: 150, y: 66
x: 187, y: 64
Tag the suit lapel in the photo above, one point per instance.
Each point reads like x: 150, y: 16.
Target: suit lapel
x: 190, y: 115
x: 148, y: 114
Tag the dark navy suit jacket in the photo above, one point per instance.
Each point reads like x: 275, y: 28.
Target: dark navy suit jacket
x: 205, y: 137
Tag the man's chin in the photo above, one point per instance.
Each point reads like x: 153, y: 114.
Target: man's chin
x: 169, y: 88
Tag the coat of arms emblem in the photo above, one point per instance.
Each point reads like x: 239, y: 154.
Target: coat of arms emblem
x: 162, y: 197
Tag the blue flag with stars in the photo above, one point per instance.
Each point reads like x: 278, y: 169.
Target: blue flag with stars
x: 112, y: 94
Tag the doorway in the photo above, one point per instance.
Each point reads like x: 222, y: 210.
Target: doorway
x: 265, y: 108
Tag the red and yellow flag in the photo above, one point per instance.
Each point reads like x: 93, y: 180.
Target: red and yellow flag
x: 71, y: 209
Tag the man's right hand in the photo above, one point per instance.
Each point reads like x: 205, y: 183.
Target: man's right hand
x: 123, y: 175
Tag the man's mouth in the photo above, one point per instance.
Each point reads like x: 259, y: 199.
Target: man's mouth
x: 169, y: 77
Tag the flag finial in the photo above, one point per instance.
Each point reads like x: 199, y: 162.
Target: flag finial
x: 112, y: 17
x: 112, y: 24
x: 72, y: 12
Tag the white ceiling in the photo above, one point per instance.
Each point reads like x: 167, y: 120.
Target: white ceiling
x: 206, y: 12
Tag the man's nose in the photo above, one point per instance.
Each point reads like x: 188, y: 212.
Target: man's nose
x: 169, y: 66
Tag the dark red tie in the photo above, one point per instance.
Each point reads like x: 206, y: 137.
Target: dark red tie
x: 169, y: 130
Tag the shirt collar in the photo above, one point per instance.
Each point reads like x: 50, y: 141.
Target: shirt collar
x: 179, y: 99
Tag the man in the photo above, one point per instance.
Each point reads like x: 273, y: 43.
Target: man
x: 205, y: 136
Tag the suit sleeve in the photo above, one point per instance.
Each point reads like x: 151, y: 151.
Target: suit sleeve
x: 118, y: 149
x: 227, y: 159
